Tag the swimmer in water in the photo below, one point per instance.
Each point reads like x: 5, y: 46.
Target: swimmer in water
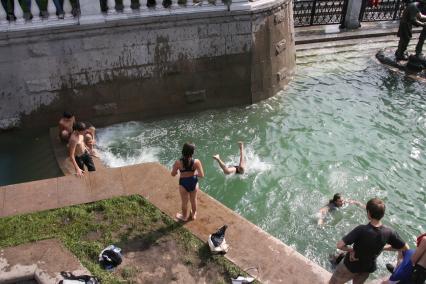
x: 227, y: 170
x: 337, y: 202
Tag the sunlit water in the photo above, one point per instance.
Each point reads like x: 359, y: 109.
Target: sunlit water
x: 348, y: 126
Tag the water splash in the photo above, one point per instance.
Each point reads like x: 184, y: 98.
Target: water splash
x: 345, y: 124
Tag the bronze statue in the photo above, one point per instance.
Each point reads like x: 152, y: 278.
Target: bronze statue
x: 411, y: 16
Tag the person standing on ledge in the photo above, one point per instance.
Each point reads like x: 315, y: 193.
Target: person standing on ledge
x: 368, y: 242
x: 337, y: 202
x: 411, y: 16
x: 78, y: 153
x: 189, y: 170
x: 65, y: 126
x: 233, y: 169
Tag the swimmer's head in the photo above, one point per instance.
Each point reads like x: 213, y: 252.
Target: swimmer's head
x: 67, y: 114
x: 79, y: 126
x: 337, y: 200
x: 376, y: 208
x: 188, y: 150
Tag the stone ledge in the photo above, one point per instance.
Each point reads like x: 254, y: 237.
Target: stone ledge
x: 38, y: 261
x: 277, y: 262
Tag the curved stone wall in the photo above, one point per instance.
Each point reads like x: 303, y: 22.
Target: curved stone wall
x: 138, y: 68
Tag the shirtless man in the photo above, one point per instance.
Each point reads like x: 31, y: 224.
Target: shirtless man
x: 78, y: 152
x: 233, y: 169
x: 65, y: 126
x: 419, y: 261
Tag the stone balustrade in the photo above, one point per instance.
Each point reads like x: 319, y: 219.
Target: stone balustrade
x: 32, y: 14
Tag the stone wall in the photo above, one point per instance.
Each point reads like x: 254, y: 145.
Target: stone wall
x: 145, y: 67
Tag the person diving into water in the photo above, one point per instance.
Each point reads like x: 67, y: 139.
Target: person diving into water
x: 227, y: 170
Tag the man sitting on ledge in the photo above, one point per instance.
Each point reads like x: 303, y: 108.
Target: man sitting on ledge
x: 65, y: 126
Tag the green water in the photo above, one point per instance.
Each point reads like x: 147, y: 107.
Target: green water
x: 348, y: 126
x: 26, y: 156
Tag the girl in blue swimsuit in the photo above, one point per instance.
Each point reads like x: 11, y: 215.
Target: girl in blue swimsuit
x: 190, y: 170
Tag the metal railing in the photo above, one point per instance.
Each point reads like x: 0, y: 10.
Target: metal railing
x: 324, y: 12
x: 318, y: 12
x: 381, y: 10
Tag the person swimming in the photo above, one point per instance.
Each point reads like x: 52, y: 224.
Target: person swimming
x: 233, y: 169
x: 189, y: 170
x: 337, y: 202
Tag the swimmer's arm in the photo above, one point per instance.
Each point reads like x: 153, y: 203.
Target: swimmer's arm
x: 356, y: 202
x: 420, y: 250
x: 322, y: 212
x: 175, y: 169
x: 199, y: 168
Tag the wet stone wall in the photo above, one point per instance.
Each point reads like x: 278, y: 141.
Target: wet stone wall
x: 146, y: 67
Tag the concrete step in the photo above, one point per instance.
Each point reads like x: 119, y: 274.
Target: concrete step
x: 343, y: 43
x: 326, y: 54
x: 327, y: 33
x: 347, y: 47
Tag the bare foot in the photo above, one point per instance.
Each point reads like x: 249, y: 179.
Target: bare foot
x: 193, y: 216
x: 216, y: 157
x: 240, y: 144
x: 180, y: 217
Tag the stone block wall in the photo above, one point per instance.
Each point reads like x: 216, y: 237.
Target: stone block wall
x: 145, y: 67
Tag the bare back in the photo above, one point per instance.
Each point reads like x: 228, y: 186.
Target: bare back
x: 197, y: 169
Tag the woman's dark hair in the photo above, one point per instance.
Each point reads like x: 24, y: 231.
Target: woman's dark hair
x: 376, y: 207
x: 79, y: 126
x: 187, y: 152
x: 336, y: 197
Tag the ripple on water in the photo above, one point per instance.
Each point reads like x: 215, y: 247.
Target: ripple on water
x: 345, y: 124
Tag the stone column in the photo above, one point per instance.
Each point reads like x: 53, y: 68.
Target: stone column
x: 90, y: 12
x: 352, y: 14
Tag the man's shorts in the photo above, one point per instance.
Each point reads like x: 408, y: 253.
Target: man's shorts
x: 419, y: 275
x: 342, y: 275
